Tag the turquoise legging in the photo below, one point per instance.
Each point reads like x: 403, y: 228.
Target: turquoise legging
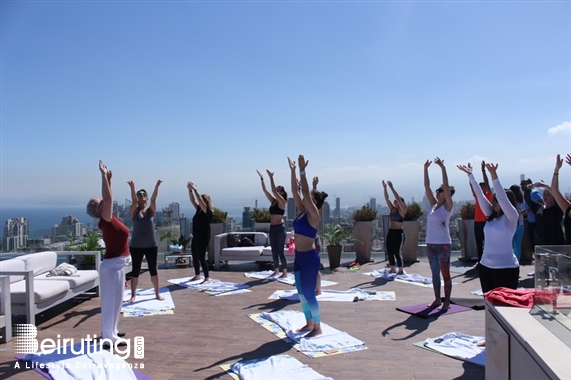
x: 306, y: 266
x: 516, y: 241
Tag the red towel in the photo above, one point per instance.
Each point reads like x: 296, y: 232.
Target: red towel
x: 519, y: 297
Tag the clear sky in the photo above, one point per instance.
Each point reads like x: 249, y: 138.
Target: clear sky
x: 210, y: 91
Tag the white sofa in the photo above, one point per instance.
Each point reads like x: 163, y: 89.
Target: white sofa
x: 260, y: 252
x: 32, y: 291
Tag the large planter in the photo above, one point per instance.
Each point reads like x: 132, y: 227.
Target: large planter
x: 215, y: 229
x: 363, y: 234
x: 411, y: 228
x: 262, y: 227
x: 334, y: 254
x: 467, y: 239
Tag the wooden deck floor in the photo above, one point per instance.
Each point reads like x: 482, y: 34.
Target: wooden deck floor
x: 206, y: 331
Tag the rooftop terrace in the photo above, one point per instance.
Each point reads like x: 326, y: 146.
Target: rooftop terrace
x: 206, y: 331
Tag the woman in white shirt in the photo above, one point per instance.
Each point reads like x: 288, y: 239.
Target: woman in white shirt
x: 438, y: 240
x: 499, y: 266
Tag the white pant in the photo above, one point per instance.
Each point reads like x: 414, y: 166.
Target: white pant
x: 112, y: 288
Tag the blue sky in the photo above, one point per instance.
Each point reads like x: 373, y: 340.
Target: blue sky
x: 211, y: 91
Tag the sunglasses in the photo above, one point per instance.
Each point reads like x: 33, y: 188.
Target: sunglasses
x: 439, y: 191
x: 141, y: 194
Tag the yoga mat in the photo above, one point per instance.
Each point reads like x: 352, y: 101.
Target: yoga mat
x: 472, y: 303
x: 275, y: 329
x: 44, y: 372
x: 424, y: 311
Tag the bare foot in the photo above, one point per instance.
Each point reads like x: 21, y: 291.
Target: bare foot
x: 132, y: 299
x: 481, y: 343
x: 392, y: 270
x: 308, y: 327
x: 435, y: 303
x: 401, y: 271
x: 276, y: 273
x: 315, y: 332
x: 159, y: 297
x: 196, y: 278
x: 445, y: 306
x: 206, y: 281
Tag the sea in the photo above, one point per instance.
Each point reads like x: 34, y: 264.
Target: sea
x: 42, y: 219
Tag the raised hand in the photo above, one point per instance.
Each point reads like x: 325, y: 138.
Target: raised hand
x: 131, y: 184
x: 102, y: 167
x: 384, y: 184
x: 270, y: 174
x: 465, y: 168
x: 492, y: 169
x: 558, y: 163
x: 159, y: 183
x: 568, y: 159
x: 439, y: 162
x: 315, y: 182
x: 291, y: 164
x: 302, y: 162
x: 427, y: 164
x: 483, y: 165
x: 191, y: 186
x: 260, y: 174
x: 390, y: 184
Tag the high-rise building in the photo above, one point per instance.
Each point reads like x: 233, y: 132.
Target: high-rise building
x: 325, y: 213
x: 291, y: 212
x: 247, y: 221
x: 175, y: 210
x: 373, y: 203
x: 337, y: 212
x: 68, y: 225
x: 16, y: 232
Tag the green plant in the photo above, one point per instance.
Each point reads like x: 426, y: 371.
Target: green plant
x: 218, y: 216
x: 90, y: 242
x: 261, y: 215
x: 180, y: 241
x: 468, y: 210
x: 364, y: 214
x: 336, y: 235
x: 413, y: 211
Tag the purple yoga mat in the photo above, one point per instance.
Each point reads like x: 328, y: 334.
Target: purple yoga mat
x: 45, y: 373
x: 427, y: 312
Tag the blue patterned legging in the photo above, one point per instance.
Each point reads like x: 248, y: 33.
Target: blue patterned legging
x: 439, y: 260
x: 306, y: 266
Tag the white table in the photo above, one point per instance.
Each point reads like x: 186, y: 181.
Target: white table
x: 174, y: 256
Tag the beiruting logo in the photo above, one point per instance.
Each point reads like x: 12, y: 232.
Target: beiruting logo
x: 26, y: 343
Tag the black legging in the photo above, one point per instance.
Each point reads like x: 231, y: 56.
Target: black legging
x: 137, y: 255
x: 394, y: 242
x: 199, y: 246
x: 494, y: 278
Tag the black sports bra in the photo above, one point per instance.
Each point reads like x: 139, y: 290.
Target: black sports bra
x: 275, y: 209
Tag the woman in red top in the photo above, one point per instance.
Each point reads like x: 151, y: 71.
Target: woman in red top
x: 116, y: 258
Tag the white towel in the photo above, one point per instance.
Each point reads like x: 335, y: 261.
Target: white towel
x: 146, y: 300
x: 330, y: 339
x: 93, y: 365
x: 213, y: 287
x: 331, y: 295
x: 263, y: 275
x: 460, y: 346
x: 280, y: 367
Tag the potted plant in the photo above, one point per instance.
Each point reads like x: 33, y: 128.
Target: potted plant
x: 466, y: 229
x: 363, y: 232
x: 411, y: 229
x: 335, y: 236
x: 89, y: 242
x: 262, y: 218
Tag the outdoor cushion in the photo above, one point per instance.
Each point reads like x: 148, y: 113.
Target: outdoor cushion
x: 243, y: 251
x: 13, y: 265
x: 39, y: 262
x: 43, y: 291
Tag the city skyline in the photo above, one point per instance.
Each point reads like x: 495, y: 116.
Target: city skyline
x: 367, y: 91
